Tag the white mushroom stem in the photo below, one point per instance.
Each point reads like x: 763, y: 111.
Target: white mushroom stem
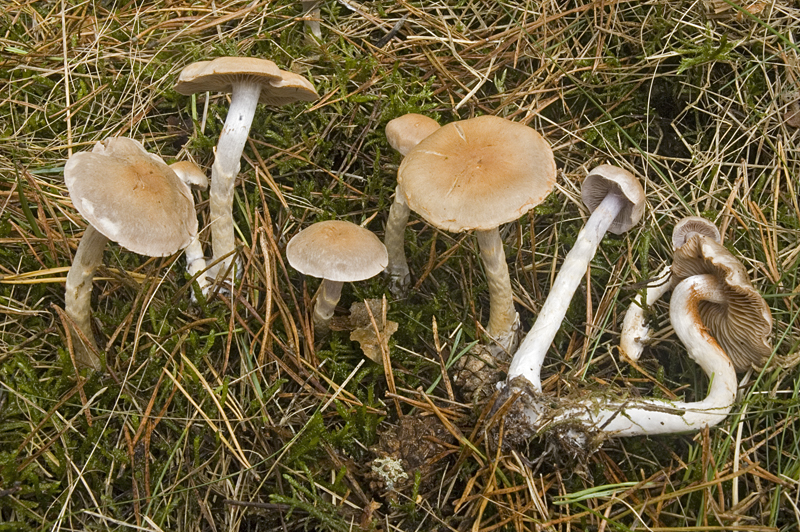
x: 228, y: 153
x: 394, y: 240
x: 78, y: 297
x: 656, y: 416
x: 635, y: 331
x: 311, y: 7
x: 503, y: 318
x: 196, y: 262
x: 528, y: 359
x: 327, y: 298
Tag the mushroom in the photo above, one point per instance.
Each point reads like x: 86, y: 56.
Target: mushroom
x: 131, y: 197
x: 312, y: 17
x: 250, y: 81
x: 724, y: 325
x: 477, y: 174
x: 338, y: 252
x: 403, y: 133
x: 635, y: 331
x: 194, y: 178
x: 616, y: 201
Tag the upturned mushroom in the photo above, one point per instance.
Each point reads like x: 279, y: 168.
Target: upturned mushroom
x: 131, y: 197
x: 249, y: 81
x: 616, y: 201
x: 402, y: 133
x: 635, y: 334
x: 477, y: 174
x: 337, y: 252
x: 724, y: 325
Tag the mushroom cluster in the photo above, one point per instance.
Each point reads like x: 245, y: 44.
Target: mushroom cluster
x: 469, y: 175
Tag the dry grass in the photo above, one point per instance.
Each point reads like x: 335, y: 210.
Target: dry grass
x: 225, y: 416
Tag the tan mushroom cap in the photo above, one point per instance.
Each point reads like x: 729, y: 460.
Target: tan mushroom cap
x: 693, y: 224
x: 743, y: 326
x: 605, y: 178
x: 191, y: 174
x: 132, y: 197
x: 405, y: 132
x: 219, y: 75
x: 338, y: 251
x: 477, y: 174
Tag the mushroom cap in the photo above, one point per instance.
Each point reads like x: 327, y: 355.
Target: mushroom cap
x: 743, y: 325
x: 278, y: 87
x: 608, y: 178
x: 405, y: 132
x: 132, y: 197
x: 289, y: 89
x: 191, y: 174
x: 686, y: 227
x: 477, y: 174
x: 338, y: 251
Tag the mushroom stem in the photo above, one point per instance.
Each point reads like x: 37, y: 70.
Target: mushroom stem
x: 635, y: 331
x: 78, y: 296
x: 312, y: 17
x: 228, y: 153
x: 528, y: 359
x: 196, y: 262
x: 327, y: 298
x: 394, y: 240
x: 503, y: 318
x: 654, y: 416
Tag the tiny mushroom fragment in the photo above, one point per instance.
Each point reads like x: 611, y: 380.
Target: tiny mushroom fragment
x: 403, y: 133
x: 616, y: 201
x: 249, y: 81
x: 477, y: 174
x: 338, y: 252
x: 724, y: 325
x: 131, y: 197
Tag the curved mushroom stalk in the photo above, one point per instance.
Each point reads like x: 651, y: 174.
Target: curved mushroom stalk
x: 635, y: 333
x: 312, y: 17
x: 78, y: 296
x: 598, y: 417
x: 528, y: 359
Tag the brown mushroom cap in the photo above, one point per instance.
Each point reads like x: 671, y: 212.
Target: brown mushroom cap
x: 338, y: 251
x: 606, y: 178
x: 477, y: 174
x: 405, y: 132
x: 132, y: 197
x: 693, y: 224
x: 219, y: 75
x: 743, y: 325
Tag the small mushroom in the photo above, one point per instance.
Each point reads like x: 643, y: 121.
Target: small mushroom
x: 312, y: 17
x: 338, y: 252
x: 249, y: 81
x: 131, y: 197
x: 194, y: 178
x: 403, y: 133
x: 477, y: 174
x: 616, y: 201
